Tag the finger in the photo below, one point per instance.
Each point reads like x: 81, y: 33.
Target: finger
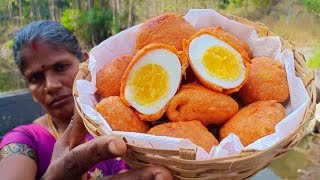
x: 74, y: 134
x: 78, y: 131
x: 84, y: 156
x: 151, y: 172
x: 61, y: 147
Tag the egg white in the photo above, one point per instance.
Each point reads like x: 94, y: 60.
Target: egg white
x: 171, y: 64
x: 197, y: 48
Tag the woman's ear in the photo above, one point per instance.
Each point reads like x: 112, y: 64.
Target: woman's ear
x: 85, y: 55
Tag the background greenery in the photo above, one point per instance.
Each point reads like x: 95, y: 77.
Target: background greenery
x: 92, y: 21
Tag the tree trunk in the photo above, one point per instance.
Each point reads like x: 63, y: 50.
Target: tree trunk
x: 152, y: 8
x: 20, y: 13
x: 58, y: 10
x: 37, y: 9
x: 246, y: 8
x: 162, y: 6
x: 77, y: 4
x: 147, y: 9
x: 90, y: 7
x: 289, y: 11
x: 113, y: 6
x: 118, y: 12
x: 10, y: 12
x: 176, y: 5
x: 89, y: 4
x: 133, y: 14
x: 52, y: 11
x: 130, y: 14
x: 103, y: 4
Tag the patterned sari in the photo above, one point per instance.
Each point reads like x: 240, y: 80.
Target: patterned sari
x: 41, y: 144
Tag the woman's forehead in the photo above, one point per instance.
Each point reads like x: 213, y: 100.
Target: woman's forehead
x: 42, y: 56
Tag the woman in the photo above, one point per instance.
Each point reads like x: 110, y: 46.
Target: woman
x: 48, y: 56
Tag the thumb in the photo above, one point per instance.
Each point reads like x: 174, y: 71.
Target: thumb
x: 77, y: 131
x: 80, y: 159
x: 71, y: 137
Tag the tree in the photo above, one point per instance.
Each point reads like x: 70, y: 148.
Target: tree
x: 313, y: 5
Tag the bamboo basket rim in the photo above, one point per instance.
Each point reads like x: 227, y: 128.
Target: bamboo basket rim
x: 272, y: 152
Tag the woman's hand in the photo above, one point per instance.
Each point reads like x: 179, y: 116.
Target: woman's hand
x: 71, y: 160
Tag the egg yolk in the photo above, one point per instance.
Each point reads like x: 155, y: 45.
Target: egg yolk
x: 149, y: 84
x: 221, y: 63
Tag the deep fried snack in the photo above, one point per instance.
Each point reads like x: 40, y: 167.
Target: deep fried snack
x: 236, y: 44
x: 169, y: 29
x: 119, y: 116
x: 225, y: 35
x: 267, y: 81
x: 192, y: 130
x: 195, y: 102
x: 109, y: 77
x: 151, y: 80
x: 254, y: 121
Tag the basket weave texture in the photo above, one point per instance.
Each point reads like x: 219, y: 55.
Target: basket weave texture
x: 181, y: 162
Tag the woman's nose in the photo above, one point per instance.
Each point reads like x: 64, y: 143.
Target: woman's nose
x: 52, y: 84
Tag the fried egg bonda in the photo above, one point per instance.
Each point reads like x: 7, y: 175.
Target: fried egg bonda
x: 109, y: 77
x: 119, y: 116
x: 169, y: 29
x: 192, y: 130
x: 195, y: 102
x: 267, y: 81
x: 254, y: 121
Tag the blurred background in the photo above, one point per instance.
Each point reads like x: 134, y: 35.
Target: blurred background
x: 92, y: 21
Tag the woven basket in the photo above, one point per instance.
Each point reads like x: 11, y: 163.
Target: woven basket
x: 182, y: 162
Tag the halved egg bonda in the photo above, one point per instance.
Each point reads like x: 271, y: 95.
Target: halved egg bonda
x: 152, y: 79
x: 218, y: 62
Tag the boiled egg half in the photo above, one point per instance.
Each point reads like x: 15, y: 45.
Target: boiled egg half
x: 152, y: 79
x: 216, y: 63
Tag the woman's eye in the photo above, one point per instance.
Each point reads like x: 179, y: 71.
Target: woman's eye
x: 36, y: 78
x: 61, y: 67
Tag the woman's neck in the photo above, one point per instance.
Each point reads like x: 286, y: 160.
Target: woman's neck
x: 61, y: 125
x: 58, y: 124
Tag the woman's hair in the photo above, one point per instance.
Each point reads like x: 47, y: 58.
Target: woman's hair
x: 45, y: 32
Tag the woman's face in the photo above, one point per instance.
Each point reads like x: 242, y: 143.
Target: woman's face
x: 50, y: 74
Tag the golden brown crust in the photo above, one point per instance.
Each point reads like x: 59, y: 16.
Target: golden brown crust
x: 153, y: 117
x: 183, y: 61
x: 254, y: 121
x: 109, y: 77
x: 267, y: 81
x: 195, y: 102
x: 232, y: 41
x: 119, y: 116
x: 169, y: 29
x: 192, y: 130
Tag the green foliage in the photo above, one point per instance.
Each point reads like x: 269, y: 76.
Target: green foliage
x: 70, y: 19
x: 223, y: 4
x: 93, y: 25
x: 10, y: 81
x: 314, y: 61
x: 314, y: 5
x: 97, y: 24
x: 234, y: 4
x: 237, y: 3
x: 10, y: 77
x: 261, y: 3
x: 8, y: 44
